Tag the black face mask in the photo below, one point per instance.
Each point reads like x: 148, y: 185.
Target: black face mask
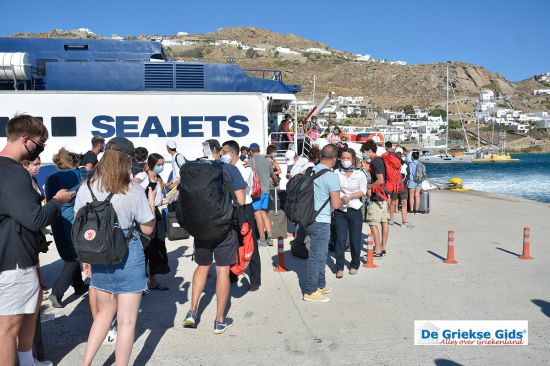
x: 37, y: 151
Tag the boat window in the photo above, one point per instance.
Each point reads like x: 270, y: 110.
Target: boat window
x: 63, y: 126
x: 3, y: 124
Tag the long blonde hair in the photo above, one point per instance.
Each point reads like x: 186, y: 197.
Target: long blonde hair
x: 113, y: 172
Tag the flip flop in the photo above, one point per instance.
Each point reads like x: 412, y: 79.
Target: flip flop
x: 159, y: 287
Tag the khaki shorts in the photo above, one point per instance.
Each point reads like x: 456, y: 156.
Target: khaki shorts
x: 377, y: 213
x: 19, y: 291
x: 401, y: 195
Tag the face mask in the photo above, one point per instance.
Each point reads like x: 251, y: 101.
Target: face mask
x: 365, y: 156
x: 37, y: 151
x: 346, y: 164
x: 158, y: 169
x: 226, y: 158
x: 34, y: 170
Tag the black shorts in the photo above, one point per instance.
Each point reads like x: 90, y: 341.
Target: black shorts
x: 224, y: 253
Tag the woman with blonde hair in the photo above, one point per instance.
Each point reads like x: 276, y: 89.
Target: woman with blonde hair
x: 68, y: 177
x: 119, y: 286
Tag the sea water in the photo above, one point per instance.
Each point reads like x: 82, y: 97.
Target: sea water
x: 529, y: 178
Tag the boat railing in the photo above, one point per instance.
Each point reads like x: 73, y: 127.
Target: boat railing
x: 286, y: 141
x: 266, y: 74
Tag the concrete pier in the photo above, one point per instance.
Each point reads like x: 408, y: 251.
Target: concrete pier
x: 369, y: 319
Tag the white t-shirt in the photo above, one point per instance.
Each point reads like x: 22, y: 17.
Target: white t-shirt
x: 129, y: 207
x: 299, y: 165
x: 145, y: 183
x: 177, y: 162
x: 248, y: 178
x: 356, y: 182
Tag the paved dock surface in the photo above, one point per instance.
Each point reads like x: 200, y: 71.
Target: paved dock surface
x: 369, y: 319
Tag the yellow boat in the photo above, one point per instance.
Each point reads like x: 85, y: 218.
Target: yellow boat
x: 495, y: 158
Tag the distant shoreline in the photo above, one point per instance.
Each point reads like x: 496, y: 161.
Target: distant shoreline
x: 497, y: 196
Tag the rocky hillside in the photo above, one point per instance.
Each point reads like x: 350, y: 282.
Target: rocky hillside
x: 386, y: 85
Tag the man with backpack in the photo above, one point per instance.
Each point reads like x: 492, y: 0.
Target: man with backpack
x: 177, y: 162
x: 264, y: 171
x: 402, y: 195
x: 208, y: 191
x: 316, y: 221
x: 377, y: 212
x: 22, y: 217
x: 89, y: 160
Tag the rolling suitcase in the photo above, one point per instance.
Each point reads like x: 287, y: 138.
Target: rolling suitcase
x: 424, y: 202
x: 278, y: 220
x: 175, y: 231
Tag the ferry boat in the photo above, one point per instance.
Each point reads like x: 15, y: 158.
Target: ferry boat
x: 82, y: 88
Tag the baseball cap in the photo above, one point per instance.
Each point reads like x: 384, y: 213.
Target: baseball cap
x: 214, y: 144
x: 289, y: 156
x: 121, y: 144
x: 399, y: 150
x: 171, y: 144
x: 254, y: 147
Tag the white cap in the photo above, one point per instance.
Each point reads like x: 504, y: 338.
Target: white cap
x: 399, y: 150
x: 289, y: 156
x: 171, y: 144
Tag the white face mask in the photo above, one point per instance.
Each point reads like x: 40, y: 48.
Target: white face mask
x: 226, y: 158
x: 346, y: 164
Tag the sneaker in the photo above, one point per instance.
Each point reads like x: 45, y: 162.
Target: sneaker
x: 56, y: 302
x: 315, y: 297
x: 190, y: 319
x: 220, y: 328
x: 254, y: 287
x: 407, y: 225
x: 269, y: 241
x: 42, y: 363
x: 324, y: 290
x: 111, y: 336
x: 390, y: 222
x: 262, y: 243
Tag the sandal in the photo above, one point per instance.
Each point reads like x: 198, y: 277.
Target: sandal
x: 339, y: 274
x: 159, y: 287
x: 378, y: 255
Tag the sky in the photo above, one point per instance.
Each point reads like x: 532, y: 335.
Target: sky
x: 508, y: 37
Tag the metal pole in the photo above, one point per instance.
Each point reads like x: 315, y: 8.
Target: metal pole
x: 313, y: 98
x: 447, y: 109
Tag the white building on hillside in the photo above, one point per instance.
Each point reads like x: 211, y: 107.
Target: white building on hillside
x: 486, y: 95
x: 319, y: 51
x: 365, y: 57
x: 541, y: 92
x: 286, y: 51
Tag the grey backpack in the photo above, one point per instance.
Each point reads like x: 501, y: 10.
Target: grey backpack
x: 420, y: 173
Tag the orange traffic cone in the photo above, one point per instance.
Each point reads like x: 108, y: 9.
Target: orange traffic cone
x: 280, y: 255
x: 526, y: 244
x: 451, y: 248
x: 370, y: 253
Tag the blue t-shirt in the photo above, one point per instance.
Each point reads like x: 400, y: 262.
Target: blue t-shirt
x: 61, y: 228
x: 234, y: 177
x: 323, y: 185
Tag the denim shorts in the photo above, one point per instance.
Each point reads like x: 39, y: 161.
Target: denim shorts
x: 125, y: 277
x: 261, y: 203
x: 413, y: 185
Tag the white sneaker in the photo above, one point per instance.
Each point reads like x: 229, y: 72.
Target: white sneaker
x: 111, y: 336
x: 42, y: 363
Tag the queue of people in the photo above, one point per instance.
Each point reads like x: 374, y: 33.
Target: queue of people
x: 345, y: 186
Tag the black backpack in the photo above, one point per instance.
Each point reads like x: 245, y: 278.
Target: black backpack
x: 96, y: 233
x: 300, y: 198
x: 204, y: 206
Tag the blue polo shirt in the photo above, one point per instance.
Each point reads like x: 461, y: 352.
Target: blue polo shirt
x: 323, y: 186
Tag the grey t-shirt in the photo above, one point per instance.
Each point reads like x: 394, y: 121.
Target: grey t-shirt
x: 129, y: 207
x: 264, y: 168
